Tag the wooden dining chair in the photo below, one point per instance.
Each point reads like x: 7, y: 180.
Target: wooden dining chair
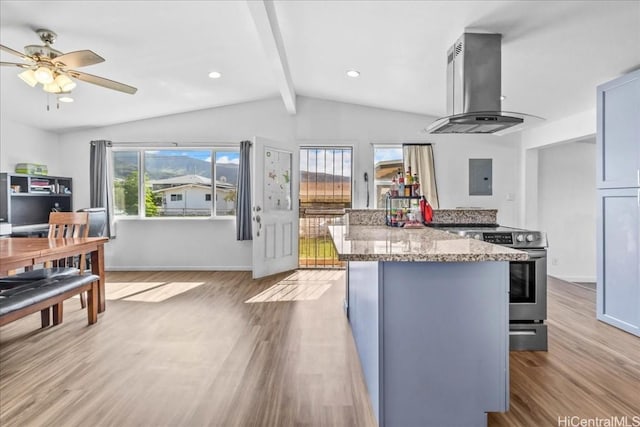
x: 68, y: 224
x: 61, y: 225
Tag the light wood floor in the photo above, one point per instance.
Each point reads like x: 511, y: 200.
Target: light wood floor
x: 184, y: 349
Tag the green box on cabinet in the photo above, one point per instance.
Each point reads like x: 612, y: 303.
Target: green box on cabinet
x: 32, y: 169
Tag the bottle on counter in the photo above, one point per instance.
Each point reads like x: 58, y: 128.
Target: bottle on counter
x: 401, y: 186
x: 407, y: 185
x: 416, y: 186
x: 394, y: 187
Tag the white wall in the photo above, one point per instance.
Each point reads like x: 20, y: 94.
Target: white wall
x: 210, y: 243
x: 326, y: 122
x: 452, y: 154
x: 189, y: 243
x: 567, y: 209
x: 24, y: 144
x: 569, y: 129
x: 177, y: 244
x: 553, y: 165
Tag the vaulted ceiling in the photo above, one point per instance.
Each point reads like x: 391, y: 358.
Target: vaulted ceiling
x: 554, y: 53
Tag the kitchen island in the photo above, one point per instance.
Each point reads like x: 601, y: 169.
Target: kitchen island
x: 429, y: 315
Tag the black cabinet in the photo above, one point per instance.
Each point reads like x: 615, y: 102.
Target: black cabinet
x: 28, y: 199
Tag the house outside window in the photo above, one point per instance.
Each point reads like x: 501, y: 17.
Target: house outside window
x: 177, y: 183
x: 387, y: 160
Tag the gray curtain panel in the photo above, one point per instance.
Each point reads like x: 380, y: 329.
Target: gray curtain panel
x: 243, y: 201
x: 99, y: 173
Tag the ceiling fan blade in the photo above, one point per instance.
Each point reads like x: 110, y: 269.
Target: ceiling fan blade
x: 15, y: 64
x: 101, y: 81
x: 16, y: 53
x: 79, y: 58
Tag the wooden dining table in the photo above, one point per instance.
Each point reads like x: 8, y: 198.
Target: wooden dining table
x: 26, y: 252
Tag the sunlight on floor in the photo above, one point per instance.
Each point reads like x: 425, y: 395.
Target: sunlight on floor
x: 302, y: 285
x: 316, y: 275
x: 293, y: 291
x: 147, y: 291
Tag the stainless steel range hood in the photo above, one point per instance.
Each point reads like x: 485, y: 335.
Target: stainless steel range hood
x: 474, y: 88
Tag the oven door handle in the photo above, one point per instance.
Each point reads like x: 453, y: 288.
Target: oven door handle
x: 536, y: 254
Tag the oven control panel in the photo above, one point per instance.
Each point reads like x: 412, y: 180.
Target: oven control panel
x: 530, y: 239
x: 498, y: 238
x: 521, y: 240
x: 515, y: 238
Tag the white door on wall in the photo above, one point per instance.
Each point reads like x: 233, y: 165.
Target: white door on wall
x: 275, y: 207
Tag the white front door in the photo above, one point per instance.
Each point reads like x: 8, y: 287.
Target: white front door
x: 275, y: 208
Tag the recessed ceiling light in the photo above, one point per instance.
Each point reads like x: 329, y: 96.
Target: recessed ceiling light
x: 353, y: 73
x: 215, y: 75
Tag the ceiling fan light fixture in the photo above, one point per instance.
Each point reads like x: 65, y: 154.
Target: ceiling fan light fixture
x: 51, y: 88
x: 353, y: 73
x: 43, y: 75
x: 65, y: 83
x: 215, y: 74
x: 56, y: 70
x: 29, y: 77
x: 65, y: 98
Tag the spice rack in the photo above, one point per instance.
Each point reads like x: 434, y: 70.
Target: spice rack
x: 400, y: 211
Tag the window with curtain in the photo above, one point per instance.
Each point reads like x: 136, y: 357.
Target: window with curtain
x: 419, y: 158
x: 387, y: 160
x: 175, y: 182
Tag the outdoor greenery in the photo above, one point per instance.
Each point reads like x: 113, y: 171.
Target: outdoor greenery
x: 230, y: 196
x: 316, y: 247
x: 126, y: 196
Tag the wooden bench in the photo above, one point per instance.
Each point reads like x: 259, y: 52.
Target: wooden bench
x: 20, y: 297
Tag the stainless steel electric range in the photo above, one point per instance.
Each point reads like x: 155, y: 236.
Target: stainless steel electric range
x: 527, y: 281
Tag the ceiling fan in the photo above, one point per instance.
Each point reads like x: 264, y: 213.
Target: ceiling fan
x: 54, y: 70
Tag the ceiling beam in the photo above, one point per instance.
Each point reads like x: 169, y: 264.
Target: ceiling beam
x: 266, y: 22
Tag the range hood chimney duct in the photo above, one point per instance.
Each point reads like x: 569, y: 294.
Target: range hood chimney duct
x: 474, y: 87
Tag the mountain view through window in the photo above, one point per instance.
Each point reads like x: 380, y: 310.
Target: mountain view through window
x: 177, y: 183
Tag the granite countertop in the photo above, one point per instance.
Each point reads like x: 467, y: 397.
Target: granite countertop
x: 382, y: 243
